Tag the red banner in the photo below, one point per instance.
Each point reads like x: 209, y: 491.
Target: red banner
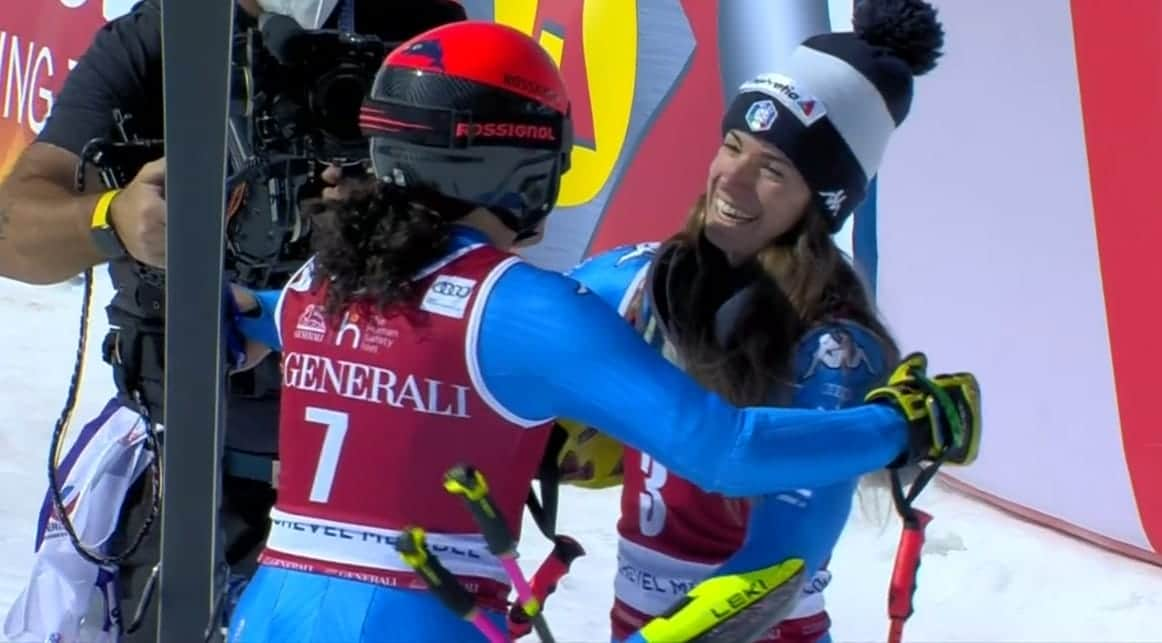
x: 39, y: 44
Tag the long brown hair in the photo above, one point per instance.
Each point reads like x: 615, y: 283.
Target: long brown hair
x: 799, y: 280
x: 369, y: 245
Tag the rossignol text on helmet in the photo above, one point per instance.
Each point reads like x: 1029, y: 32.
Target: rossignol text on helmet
x: 476, y: 111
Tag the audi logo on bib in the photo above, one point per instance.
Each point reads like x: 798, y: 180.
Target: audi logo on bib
x: 448, y: 295
x: 450, y: 289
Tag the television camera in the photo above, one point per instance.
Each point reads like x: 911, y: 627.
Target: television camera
x: 293, y: 107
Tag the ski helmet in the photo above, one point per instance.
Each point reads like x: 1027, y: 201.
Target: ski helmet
x: 477, y: 112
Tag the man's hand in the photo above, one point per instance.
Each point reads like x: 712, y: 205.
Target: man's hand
x: 138, y: 215
x: 944, y: 411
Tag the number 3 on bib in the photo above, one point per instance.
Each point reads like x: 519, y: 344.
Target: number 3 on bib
x: 335, y: 424
x: 651, y: 506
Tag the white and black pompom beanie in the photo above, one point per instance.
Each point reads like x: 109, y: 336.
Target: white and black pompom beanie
x: 836, y: 102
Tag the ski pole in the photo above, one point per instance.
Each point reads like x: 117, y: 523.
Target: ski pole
x: 468, y: 483
x: 544, y: 581
x: 902, y: 590
x: 413, y: 548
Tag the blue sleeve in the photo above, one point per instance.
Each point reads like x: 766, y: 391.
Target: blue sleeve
x: 614, y: 274
x: 262, y: 328
x: 835, y: 366
x: 549, y: 348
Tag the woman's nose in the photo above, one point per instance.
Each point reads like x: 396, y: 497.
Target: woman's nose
x: 739, y: 170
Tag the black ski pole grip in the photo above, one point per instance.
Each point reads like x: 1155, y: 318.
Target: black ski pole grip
x: 413, y: 548
x: 468, y: 483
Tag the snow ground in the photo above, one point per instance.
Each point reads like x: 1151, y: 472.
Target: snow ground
x: 985, y: 575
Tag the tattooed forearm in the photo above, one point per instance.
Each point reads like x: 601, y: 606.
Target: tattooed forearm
x: 3, y: 223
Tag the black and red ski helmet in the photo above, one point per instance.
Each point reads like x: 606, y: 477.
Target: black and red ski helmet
x: 476, y: 111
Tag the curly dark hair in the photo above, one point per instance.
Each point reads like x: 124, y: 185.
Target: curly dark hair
x: 369, y: 245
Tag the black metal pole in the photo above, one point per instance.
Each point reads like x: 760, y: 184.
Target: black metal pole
x: 196, y: 60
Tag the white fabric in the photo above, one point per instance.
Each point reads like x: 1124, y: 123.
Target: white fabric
x: 369, y: 547
x: 69, y: 599
x: 310, y: 14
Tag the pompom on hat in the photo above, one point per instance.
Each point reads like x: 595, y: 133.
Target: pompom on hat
x: 839, y: 97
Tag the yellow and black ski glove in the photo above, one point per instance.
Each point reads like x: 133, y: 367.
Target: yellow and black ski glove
x: 943, y: 411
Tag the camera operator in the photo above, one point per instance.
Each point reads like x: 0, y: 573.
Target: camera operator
x: 50, y: 231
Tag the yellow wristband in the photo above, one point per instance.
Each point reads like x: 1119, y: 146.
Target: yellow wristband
x: 100, y: 217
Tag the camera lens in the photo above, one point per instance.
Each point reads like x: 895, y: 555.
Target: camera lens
x: 337, y: 100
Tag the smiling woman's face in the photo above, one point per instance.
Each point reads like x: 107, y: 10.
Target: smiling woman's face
x: 753, y: 195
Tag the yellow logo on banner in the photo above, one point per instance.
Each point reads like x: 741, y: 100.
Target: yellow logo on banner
x: 608, y: 29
